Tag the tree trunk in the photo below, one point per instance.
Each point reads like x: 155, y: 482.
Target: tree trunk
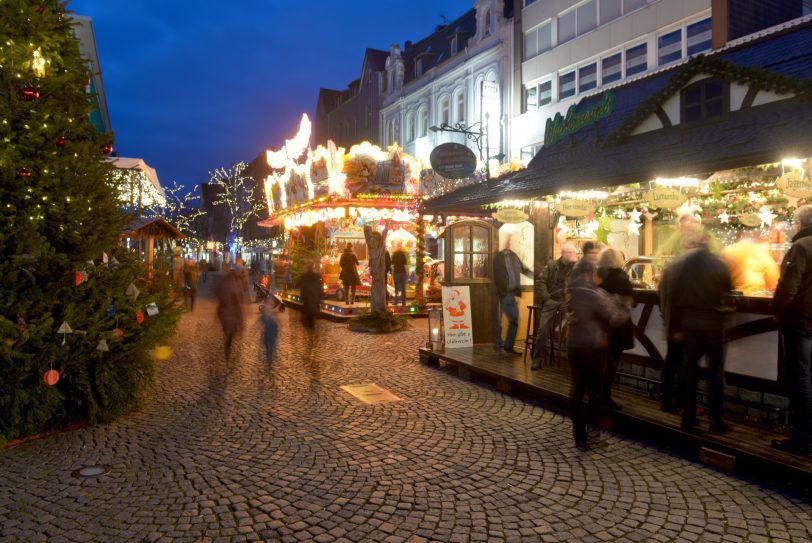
x: 376, y: 246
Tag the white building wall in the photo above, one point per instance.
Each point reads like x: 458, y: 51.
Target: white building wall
x: 488, y: 58
x: 645, y: 24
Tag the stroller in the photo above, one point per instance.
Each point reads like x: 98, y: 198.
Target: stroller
x: 264, y: 295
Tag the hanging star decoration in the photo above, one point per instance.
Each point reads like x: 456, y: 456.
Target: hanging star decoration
x: 633, y: 228
x: 590, y: 228
x: 562, y: 228
x: 604, y: 228
x: 766, y: 216
x: 635, y: 215
x: 688, y: 208
x: 724, y: 218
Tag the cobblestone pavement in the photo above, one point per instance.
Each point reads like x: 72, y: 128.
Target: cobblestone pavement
x: 239, y: 451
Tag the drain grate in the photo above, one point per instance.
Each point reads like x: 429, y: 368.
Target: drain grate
x: 370, y: 393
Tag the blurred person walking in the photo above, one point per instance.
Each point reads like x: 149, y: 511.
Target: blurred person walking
x: 310, y: 289
x: 551, y: 285
x: 507, y: 270
x: 190, y: 277
x: 349, y: 273
x: 228, y: 292
x: 616, y: 282
x: 591, y: 315
x: 399, y: 260
x: 697, y: 299
x: 793, y: 309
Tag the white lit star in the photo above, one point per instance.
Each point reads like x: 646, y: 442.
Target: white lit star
x: 724, y: 218
x: 634, y: 215
x: 766, y: 216
x: 633, y: 227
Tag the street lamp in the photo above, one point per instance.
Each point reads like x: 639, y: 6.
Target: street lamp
x: 473, y: 135
x: 435, y: 327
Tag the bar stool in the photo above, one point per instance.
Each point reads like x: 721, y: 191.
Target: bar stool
x: 558, y: 335
x: 532, y: 328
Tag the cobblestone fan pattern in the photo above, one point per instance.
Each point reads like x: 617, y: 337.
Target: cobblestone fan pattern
x: 240, y: 451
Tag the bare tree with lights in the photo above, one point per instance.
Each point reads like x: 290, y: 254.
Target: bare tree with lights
x: 178, y: 207
x: 237, y: 195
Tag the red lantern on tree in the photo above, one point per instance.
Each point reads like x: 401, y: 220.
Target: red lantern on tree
x: 139, y: 317
x: 106, y: 149
x: 23, y: 172
x: 51, y: 377
x: 29, y: 93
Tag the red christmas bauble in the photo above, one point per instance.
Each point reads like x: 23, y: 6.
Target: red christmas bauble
x: 39, y: 8
x: 119, y: 333
x: 60, y: 142
x: 139, y: 317
x: 78, y: 278
x: 51, y: 377
x: 23, y: 172
x: 29, y: 93
x: 106, y: 149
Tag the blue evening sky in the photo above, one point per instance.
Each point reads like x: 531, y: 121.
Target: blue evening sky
x: 193, y: 86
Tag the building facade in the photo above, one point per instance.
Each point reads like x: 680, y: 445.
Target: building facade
x: 572, y: 49
x: 351, y: 116
x: 458, y: 75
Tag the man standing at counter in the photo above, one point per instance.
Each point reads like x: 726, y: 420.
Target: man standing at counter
x: 551, y: 284
x: 793, y: 309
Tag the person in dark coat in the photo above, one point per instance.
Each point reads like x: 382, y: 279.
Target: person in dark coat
x: 698, y: 318
x: 591, y: 315
x: 615, y: 281
x: 228, y: 292
x: 671, y: 376
x: 793, y: 309
x: 349, y: 273
x: 550, y: 286
x: 310, y: 288
x: 399, y: 276
x: 507, y: 269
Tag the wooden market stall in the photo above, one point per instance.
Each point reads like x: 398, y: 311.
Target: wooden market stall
x: 724, y: 137
x: 145, y: 231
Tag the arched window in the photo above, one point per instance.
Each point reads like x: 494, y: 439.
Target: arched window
x: 704, y: 99
x: 422, y: 122
x: 418, y: 67
x: 459, y: 107
x: 445, y: 111
x: 410, y: 128
x: 487, y: 20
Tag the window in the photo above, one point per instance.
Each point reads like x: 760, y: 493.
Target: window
x: 454, y: 46
x: 587, y: 17
x: 610, y: 10
x: 528, y: 2
x: 704, y: 99
x: 487, y: 23
x: 611, y: 69
x: 566, y: 85
x: 423, y: 122
x: 527, y: 153
x: 472, y: 248
x: 459, y: 107
x: 531, y: 98
x: 545, y: 93
x: 445, y: 112
x: 410, y: 128
x: 631, y: 5
x: 587, y: 77
x: 698, y: 36
x: 418, y: 67
x: 384, y: 79
x: 669, y: 47
x: 636, y: 60
x: 531, y: 45
x: 545, y: 37
x: 566, y: 26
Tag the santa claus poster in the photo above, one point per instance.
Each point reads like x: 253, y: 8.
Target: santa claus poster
x: 457, y: 317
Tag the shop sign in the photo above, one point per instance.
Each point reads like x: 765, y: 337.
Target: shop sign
x: 665, y: 197
x: 750, y: 219
x: 575, y: 208
x: 453, y: 160
x: 793, y: 184
x: 510, y: 215
x: 457, y: 317
x: 558, y: 127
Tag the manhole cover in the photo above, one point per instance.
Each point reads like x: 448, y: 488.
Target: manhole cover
x: 90, y: 471
x: 370, y: 393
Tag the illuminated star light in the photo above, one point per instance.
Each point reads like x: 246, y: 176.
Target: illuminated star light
x: 633, y: 227
x: 724, y: 218
x: 634, y: 215
x: 766, y: 216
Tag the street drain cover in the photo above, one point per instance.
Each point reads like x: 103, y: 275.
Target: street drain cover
x: 370, y: 393
x: 90, y: 471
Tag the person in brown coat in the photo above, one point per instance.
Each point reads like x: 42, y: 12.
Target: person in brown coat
x: 228, y: 292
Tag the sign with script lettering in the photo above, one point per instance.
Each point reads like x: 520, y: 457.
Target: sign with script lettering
x: 510, y: 215
x: 559, y: 127
x: 575, y: 208
x: 457, y: 317
x: 794, y: 185
x: 665, y: 197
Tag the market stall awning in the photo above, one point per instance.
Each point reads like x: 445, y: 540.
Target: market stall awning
x: 609, y: 151
x: 155, y: 227
x: 125, y: 163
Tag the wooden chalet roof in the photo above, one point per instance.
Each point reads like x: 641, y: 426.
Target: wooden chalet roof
x: 155, y: 227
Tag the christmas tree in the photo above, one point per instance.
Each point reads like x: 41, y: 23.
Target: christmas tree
x: 64, y: 277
